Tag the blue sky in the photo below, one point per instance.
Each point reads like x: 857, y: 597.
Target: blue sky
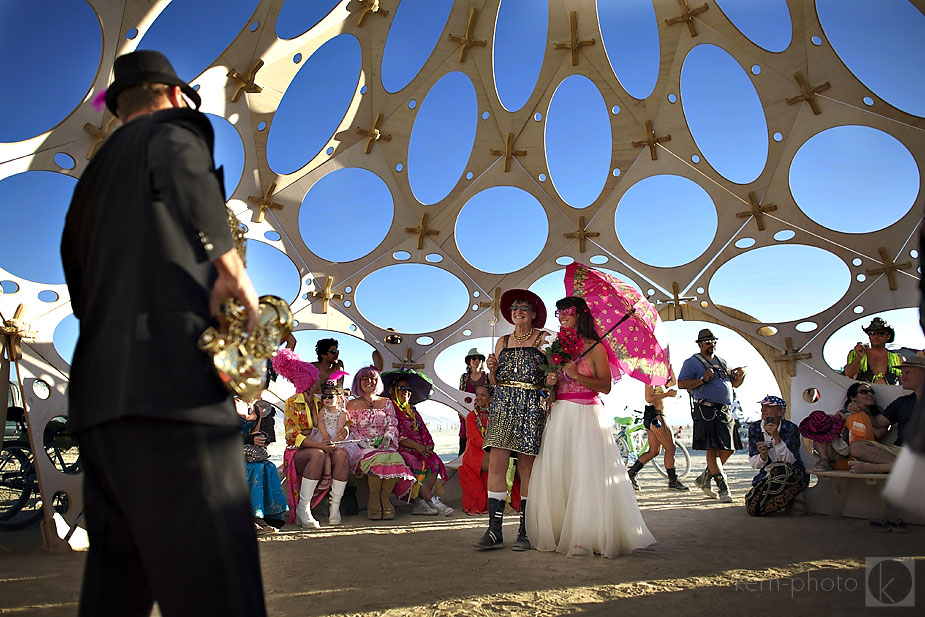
x: 834, y: 176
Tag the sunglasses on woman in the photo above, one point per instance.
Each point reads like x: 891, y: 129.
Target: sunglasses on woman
x: 866, y: 391
x: 572, y: 310
x: 521, y: 307
x: 404, y: 388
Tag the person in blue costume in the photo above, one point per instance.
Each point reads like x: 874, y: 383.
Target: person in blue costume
x: 268, y: 501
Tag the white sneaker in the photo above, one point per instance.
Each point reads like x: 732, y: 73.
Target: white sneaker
x: 440, y: 507
x: 422, y: 507
x: 303, y: 515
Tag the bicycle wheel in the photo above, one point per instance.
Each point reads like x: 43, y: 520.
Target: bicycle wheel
x: 640, y: 441
x: 14, y: 489
x: 624, y: 447
x: 682, y: 461
x: 29, y: 503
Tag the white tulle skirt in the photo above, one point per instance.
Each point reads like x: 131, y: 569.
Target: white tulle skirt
x: 580, y: 499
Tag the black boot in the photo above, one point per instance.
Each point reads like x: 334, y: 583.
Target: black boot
x: 723, y: 488
x: 632, y: 471
x: 673, y: 482
x: 492, y: 538
x: 523, y: 542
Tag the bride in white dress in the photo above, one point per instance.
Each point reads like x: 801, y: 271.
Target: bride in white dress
x: 581, y: 499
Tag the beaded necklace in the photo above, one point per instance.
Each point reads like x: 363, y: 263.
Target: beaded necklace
x: 521, y: 339
x: 479, y: 423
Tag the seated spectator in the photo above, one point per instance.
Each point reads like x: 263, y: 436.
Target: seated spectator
x: 873, y: 363
x: 473, y: 473
x: 824, y: 430
x: 267, y: 498
x: 374, y: 423
x: 416, y: 447
x: 874, y: 457
x: 774, y: 449
x: 312, y: 465
x: 333, y: 426
x: 859, y: 408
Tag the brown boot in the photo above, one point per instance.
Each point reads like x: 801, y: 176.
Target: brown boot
x: 374, y: 509
x: 388, y: 510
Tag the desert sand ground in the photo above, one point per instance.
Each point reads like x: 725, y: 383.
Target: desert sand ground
x: 710, y: 559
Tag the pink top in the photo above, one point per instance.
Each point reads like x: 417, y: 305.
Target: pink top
x: 571, y: 390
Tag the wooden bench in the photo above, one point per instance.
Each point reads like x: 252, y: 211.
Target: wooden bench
x: 844, y: 493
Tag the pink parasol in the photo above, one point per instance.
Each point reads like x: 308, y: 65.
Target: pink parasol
x: 631, y: 330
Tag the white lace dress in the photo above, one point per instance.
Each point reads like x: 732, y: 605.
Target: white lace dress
x: 581, y: 501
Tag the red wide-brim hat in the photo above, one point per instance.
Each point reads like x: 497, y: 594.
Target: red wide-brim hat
x: 508, y: 297
x: 819, y: 426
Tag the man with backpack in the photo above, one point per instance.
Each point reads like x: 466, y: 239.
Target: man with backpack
x: 710, y: 383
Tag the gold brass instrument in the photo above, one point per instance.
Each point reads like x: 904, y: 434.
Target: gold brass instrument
x: 239, y: 359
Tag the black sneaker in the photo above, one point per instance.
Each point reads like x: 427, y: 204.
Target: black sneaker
x: 677, y: 485
x: 489, y: 541
x: 522, y: 543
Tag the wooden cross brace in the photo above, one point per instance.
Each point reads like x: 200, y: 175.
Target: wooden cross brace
x: 245, y: 82
x: 13, y: 331
x: 574, y: 43
x: 99, y: 134
x: 676, y: 300
x: 370, y: 6
x: 791, y: 356
x: 495, y: 303
x: 651, y: 140
x: 466, y: 41
x: 757, y: 210
x: 687, y: 15
x: 327, y: 294
x: 263, y: 203
x: 808, y: 93
x: 422, y: 230
x: 890, y: 268
x: 581, y: 234
x: 408, y: 362
x: 509, y: 152
x: 373, y: 134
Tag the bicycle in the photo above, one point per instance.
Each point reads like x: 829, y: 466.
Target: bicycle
x: 632, y: 440
x: 21, y: 502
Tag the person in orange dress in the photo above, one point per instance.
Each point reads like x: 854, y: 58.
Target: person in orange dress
x: 473, y: 473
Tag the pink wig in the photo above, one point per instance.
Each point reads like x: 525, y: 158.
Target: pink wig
x: 302, y: 374
x: 366, y: 371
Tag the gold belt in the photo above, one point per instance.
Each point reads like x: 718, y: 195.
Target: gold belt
x: 519, y: 384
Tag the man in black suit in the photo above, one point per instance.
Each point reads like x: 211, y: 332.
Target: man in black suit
x: 148, y: 257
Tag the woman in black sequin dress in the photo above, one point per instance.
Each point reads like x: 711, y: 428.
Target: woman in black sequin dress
x: 518, y: 410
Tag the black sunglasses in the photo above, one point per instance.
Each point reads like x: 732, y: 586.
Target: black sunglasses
x: 865, y: 391
x: 405, y: 388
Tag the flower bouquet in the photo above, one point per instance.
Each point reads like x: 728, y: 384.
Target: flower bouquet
x: 567, y: 347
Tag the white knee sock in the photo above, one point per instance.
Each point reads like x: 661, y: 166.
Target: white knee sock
x: 500, y: 495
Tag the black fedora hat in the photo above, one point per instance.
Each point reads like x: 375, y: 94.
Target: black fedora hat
x: 144, y: 66
x: 705, y: 335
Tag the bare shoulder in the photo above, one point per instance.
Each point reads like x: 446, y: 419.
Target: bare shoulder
x: 354, y: 403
